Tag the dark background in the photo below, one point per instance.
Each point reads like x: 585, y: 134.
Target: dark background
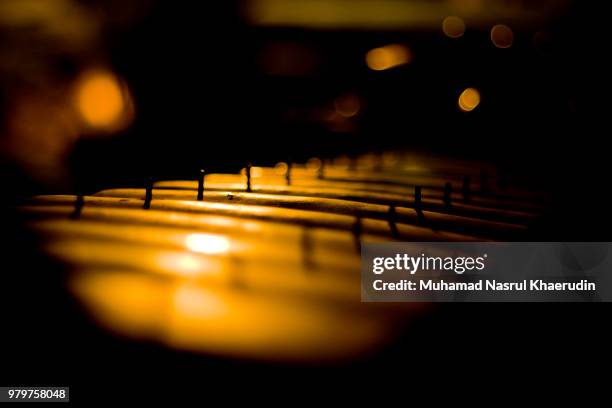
x: 203, y: 101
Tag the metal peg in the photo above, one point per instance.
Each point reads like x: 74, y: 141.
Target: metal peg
x: 148, y: 194
x: 288, y: 173
x: 201, y: 185
x: 248, y: 177
x: 79, y: 203
x: 448, y: 191
x: 417, y: 197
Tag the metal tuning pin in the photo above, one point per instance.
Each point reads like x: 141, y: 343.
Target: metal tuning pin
x: 288, y: 172
x: 79, y: 203
x: 466, y: 188
x: 201, y: 184
x: 448, y: 191
x: 392, y: 225
x: 417, y: 197
x: 148, y: 194
x: 248, y: 177
x: 418, y: 204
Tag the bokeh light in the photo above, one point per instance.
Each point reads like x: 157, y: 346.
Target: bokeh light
x: 102, y: 101
x: 389, y: 56
x: 502, y: 36
x: 347, y: 105
x: 314, y: 163
x: 255, y: 171
x: 453, y: 27
x: 469, y: 99
x: 281, y: 168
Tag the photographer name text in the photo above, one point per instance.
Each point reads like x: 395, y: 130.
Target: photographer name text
x: 538, y: 285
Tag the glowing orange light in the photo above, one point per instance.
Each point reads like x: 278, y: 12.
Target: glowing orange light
x: 281, y: 168
x: 469, y: 99
x: 223, y: 320
x: 184, y: 264
x: 101, y: 100
x: 453, y: 27
x: 192, y: 301
x: 502, y: 36
x: 389, y: 56
x: 255, y: 171
x: 314, y: 163
x: 207, y: 243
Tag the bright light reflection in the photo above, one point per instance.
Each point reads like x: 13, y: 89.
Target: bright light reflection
x: 190, y: 301
x: 184, y: 264
x: 389, y: 56
x: 502, y: 36
x: 255, y: 171
x: 207, y: 243
x: 281, y: 168
x: 314, y: 163
x: 101, y: 99
x: 453, y: 27
x: 224, y: 321
x: 469, y: 99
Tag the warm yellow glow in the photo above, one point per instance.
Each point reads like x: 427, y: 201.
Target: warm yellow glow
x: 281, y: 168
x: 469, y: 99
x: 100, y: 99
x: 314, y: 163
x: 207, y: 243
x: 225, y: 320
x: 466, y: 6
x: 193, y: 301
x: 128, y: 301
x: 453, y: 27
x: 502, y: 36
x: 255, y: 171
x: 184, y: 264
x: 388, y: 56
x: 347, y: 105
x: 342, y: 161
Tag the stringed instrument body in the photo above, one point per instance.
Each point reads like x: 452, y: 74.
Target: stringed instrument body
x: 265, y: 264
